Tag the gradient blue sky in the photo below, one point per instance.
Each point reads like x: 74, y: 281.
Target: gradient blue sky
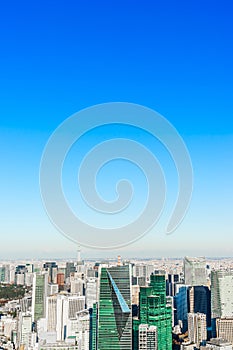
x: 172, y: 56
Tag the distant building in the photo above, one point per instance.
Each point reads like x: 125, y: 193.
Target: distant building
x: 39, y: 294
x: 195, y: 271
x: 52, y: 269
x: 222, y: 293
x: 91, y: 292
x: 60, y: 279
x: 70, y: 268
x: 172, y: 280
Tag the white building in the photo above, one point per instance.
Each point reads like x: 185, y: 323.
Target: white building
x: 61, y: 315
x: 147, y: 337
x: 25, y: 330
x: 8, y: 325
x: 83, y: 330
x: 197, y: 328
x: 20, y: 279
x: 76, y: 285
x: 222, y: 293
x: 29, y: 279
x: 51, y: 313
x: 91, y: 292
x: 224, y: 328
x: 53, y: 289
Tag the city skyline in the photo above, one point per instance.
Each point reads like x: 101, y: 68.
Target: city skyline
x: 173, y: 58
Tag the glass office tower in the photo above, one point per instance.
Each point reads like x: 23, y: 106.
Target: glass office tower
x: 114, y: 316
x: 155, y: 311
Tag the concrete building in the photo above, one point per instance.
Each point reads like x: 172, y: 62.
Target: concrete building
x: 197, y: 328
x: 91, y: 292
x: 224, y: 328
x: 217, y: 344
x: 25, y: 330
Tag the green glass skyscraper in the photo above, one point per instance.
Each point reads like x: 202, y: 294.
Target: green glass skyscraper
x: 39, y: 294
x: 155, y: 311
x: 114, y: 316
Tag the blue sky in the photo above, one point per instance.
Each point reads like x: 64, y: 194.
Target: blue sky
x: 175, y: 57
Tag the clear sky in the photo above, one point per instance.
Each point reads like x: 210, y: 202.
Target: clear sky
x: 58, y: 57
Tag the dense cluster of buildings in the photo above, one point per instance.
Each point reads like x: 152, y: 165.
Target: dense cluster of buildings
x: 115, y: 305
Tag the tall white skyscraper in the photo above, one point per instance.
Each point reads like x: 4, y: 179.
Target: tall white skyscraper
x: 195, y: 271
x: 222, y: 293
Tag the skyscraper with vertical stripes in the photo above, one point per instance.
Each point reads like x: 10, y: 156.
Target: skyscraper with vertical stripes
x: 113, y: 324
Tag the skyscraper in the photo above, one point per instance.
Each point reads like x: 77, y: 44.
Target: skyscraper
x: 39, y: 294
x: 200, y: 302
x: 222, y: 293
x: 195, y: 271
x: 181, y: 301
x: 155, y: 311
x: 197, y: 328
x: 114, y: 316
x: 52, y: 269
